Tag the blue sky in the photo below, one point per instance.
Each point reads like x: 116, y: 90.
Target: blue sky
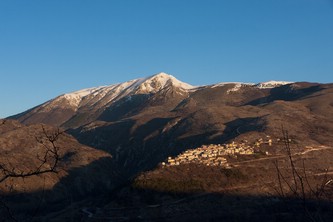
x: 51, y: 47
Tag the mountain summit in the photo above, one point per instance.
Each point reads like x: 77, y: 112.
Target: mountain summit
x: 159, y: 81
x: 114, y: 92
x: 96, y: 100
x: 119, y: 100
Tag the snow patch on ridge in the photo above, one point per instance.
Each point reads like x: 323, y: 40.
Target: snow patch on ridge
x: 262, y: 85
x: 235, y: 88
x: 227, y: 83
x: 237, y: 85
x: 76, y: 97
x: 271, y: 84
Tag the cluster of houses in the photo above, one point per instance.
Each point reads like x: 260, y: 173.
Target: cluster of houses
x: 215, y: 154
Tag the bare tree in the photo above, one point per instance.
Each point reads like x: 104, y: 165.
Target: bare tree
x: 48, y: 163
x: 295, y: 182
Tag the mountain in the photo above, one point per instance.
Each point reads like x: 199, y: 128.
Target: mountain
x: 145, y: 122
x: 117, y: 101
x: 141, y: 122
x: 81, y: 107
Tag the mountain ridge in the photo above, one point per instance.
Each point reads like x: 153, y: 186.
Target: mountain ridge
x: 67, y: 106
x: 144, y: 85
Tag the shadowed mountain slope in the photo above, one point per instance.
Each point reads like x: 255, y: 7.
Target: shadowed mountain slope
x: 143, y: 121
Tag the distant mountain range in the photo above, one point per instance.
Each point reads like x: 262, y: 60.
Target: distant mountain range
x: 143, y: 121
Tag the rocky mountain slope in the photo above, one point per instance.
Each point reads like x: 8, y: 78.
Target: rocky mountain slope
x: 143, y: 121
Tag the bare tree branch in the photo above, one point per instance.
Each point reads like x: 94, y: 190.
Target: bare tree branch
x: 300, y: 186
x: 48, y: 161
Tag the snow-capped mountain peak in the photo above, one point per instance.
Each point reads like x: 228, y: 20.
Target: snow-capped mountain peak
x: 271, y: 84
x: 114, y: 92
x: 159, y: 81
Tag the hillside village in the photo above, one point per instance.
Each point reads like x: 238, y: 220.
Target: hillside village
x: 215, y: 154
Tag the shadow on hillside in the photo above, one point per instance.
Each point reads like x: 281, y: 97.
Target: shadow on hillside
x: 233, y: 129
x: 96, y: 191
x: 106, y: 137
x: 149, y: 205
x: 286, y: 93
x: 125, y: 107
x: 82, y: 196
x: 92, y: 182
x: 139, y: 148
x: 155, y: 125
x: 242, y: 125
x: 143, y: 148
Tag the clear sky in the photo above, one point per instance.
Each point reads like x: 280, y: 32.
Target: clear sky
x: 50, y: 47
